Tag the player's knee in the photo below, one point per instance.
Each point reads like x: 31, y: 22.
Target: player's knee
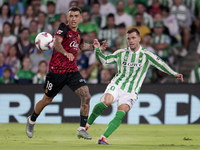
x: 86, y: 99
x: 48, y: 100
x: 107, y: 102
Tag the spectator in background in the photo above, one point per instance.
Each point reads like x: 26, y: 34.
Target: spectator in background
x: 195, y: 73
x: 194, y: 7
x: 16, y: 7
x: 83, y: 6
x: 95, y: 16
x: 160, y: 41
x: 33, y: 30
x: 130, y: 8
x: 8, y: 38
x: 60, y: 8
x: 16, y: 26
x: 105, y: 76
x: 56, y: 25
x: 109, y: 32
x: 36, y: 58
x: 82, y: 60
x: 51, y: 15
x: 3, y: 47
x: 105, y: 9
x: 13, y: 60
x: 171, y: 23
x: 73, y: 3
x: 6, y: 78
x: 23, y: 45
x: 63, y: 18
x: 5, y: 15
x: 121, y: 41
x: 2, y: 63
x: 43, y: 6
x: 146, y: 43
x: 43, y: 26
x: 28, y: 16
x: 156, y: 7
x: 147, y: 19
x: 87, y: 25
x: 40, y: 76
x: 143, y: 29
x: 183, y: 17
x: 24, y: 75
x: 36, y: 6
x: 121, y: 16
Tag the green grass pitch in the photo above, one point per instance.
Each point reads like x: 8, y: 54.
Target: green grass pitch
x: 135, y: 137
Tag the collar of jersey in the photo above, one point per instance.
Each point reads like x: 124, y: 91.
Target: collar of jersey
x: 71, y: 29
x: 135, y: 52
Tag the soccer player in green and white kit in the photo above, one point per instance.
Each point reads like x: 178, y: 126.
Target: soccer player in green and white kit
x: 133, y: 63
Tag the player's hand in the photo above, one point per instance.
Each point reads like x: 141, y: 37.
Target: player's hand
x: 104, y: 45
x: 180, y: 77
x: 96, y: 43
x: 70, y: 56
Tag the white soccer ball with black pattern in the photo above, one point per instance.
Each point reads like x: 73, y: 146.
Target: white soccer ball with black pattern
x: 44, y: 41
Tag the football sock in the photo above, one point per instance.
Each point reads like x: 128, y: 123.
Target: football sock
x: 83, y: 121
x: 34, y: 116
x: 97, y: 110
x: 114, y: 124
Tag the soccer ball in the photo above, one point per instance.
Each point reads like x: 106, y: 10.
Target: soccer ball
x: 44, y: 41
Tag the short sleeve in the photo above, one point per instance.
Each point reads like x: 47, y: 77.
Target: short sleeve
x: 82, y: 41
x: 61, y: 31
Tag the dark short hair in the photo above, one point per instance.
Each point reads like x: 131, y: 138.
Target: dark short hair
x: 75, y: 9
x: 96, y: 2
x: 121, y: 25
x: 165, y: 9
x: 25, y: 29
x: 110, y: 16
x: 138, y: 14
x: 7, y: 23
x: 140, y: 3
x: 133, y: 30
x: 51, y: 3
x: 7, y: 69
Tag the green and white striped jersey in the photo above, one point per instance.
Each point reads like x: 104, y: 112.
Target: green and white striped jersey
x: 132, y: 67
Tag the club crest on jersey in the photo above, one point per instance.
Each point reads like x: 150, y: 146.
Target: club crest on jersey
x: 74, y: 44
x: 59, y: 31
x: 131, y: 64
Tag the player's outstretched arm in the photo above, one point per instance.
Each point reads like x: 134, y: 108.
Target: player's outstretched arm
x: 58, y: 46
x: 90, y: 47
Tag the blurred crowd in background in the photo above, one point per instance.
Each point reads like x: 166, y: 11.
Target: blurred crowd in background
x: 166, y: 27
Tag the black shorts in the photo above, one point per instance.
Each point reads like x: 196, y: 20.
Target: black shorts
x: 55, y: 82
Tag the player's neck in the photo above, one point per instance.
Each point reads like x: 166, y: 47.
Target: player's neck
x: 74, y: 29
x: 136, y: 49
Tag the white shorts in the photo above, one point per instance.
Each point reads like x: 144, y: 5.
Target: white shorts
x: 120, y: 96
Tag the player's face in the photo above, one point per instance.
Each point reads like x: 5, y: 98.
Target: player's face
x: 74, y: 18
x: 133, y: 40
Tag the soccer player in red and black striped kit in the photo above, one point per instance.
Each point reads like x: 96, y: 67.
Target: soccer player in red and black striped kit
x: 63, y: 70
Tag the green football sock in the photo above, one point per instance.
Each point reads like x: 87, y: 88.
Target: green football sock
x: 114, y: 124
x: 97, y: 110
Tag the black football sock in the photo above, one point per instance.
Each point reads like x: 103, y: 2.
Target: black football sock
x: 83, y: 121
x: 34, y: 116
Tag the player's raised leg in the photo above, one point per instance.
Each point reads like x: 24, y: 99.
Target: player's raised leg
x: 115, y: 123
x: 106, y: 100
x: 83, y: 93
x: 38, y: 109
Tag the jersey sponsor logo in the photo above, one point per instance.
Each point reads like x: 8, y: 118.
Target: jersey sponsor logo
x: 73, y: 44
x: 82, y: 80
x: 132, y: 64
x: 59, y: 31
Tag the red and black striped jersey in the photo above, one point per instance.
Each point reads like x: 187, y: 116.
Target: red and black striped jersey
x: 71, y: 43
